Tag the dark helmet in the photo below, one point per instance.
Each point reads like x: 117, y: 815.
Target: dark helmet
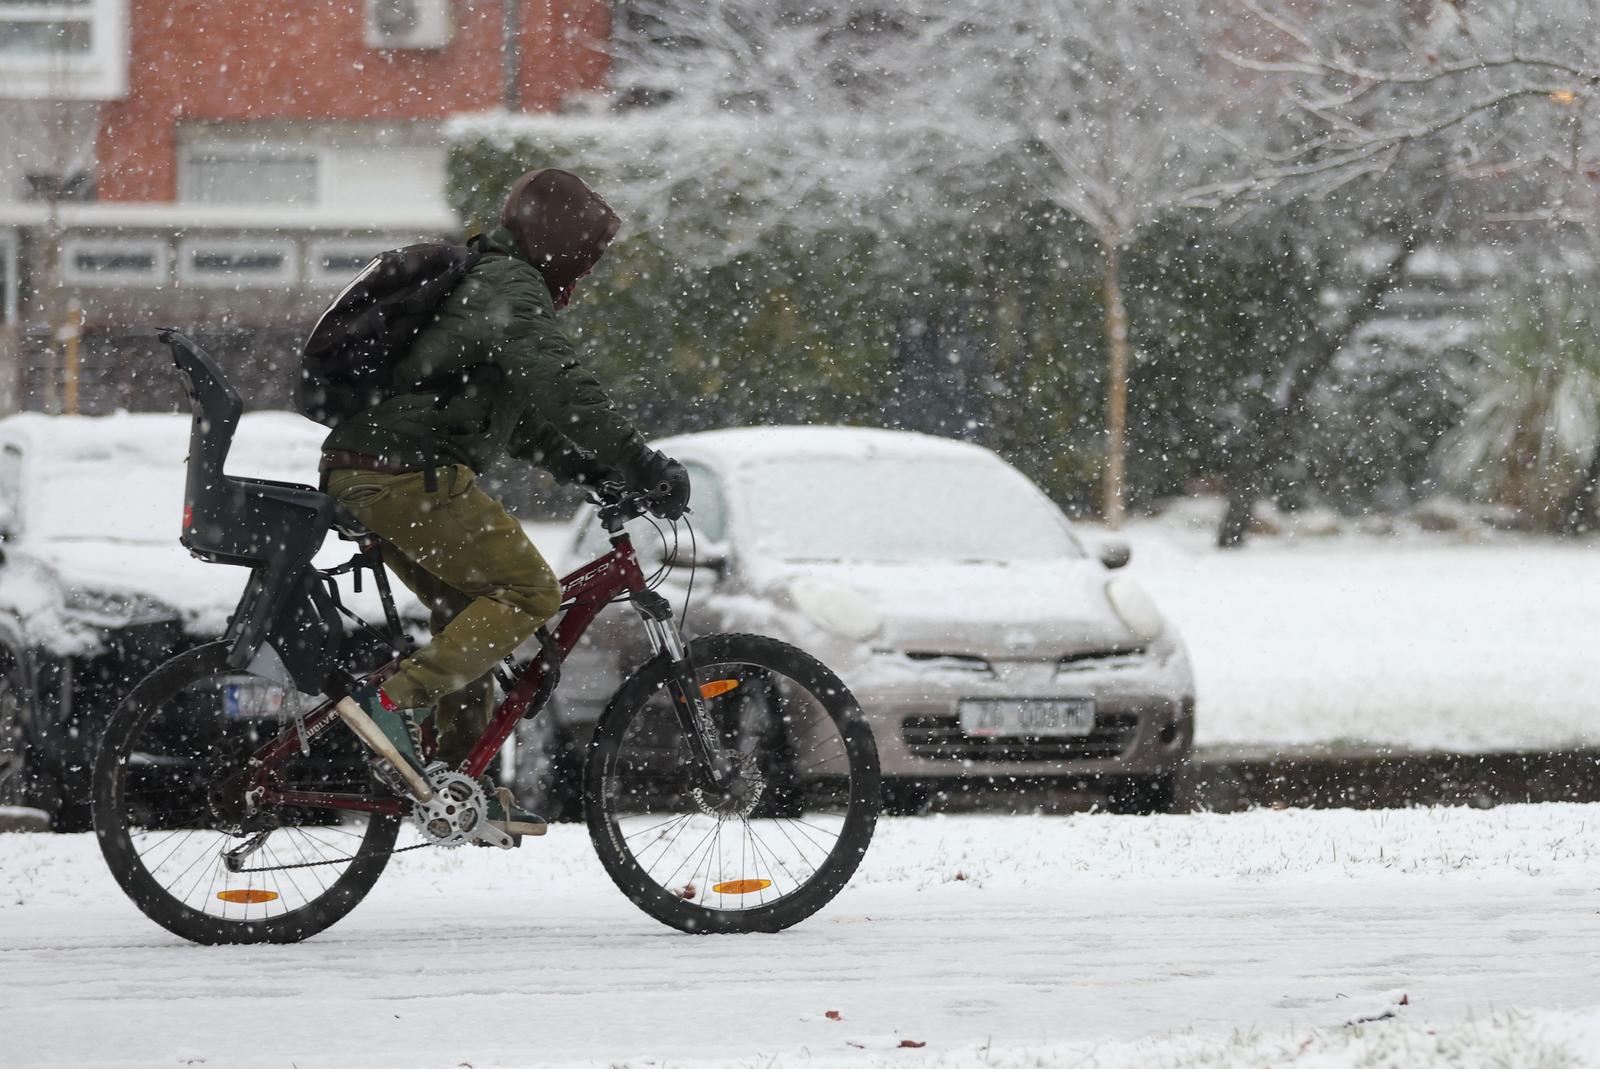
x: 561, y: 226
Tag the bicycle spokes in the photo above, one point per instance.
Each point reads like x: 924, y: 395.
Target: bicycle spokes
x: 191, y: 825
x: 769, y: 827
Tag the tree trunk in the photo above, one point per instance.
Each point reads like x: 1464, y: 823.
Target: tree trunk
x: 55, y: 307
x: 1235, y: 526
x: 1116, y: 379
x: 1278, y: 428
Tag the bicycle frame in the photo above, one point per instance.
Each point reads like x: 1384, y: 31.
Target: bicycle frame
x: 589, y: 590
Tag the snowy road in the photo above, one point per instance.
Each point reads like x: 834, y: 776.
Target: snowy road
x: 1140, y: 941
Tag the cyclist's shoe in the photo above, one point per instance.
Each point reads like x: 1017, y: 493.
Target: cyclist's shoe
x: 392, y: 733
x: 504, y: 814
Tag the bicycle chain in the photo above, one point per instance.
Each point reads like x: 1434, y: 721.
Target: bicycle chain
x: 331, y: 861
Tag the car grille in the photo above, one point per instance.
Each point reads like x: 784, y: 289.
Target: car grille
x: 941, y: 739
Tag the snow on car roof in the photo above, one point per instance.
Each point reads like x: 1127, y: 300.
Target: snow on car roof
x: 265, y: 441
x: 737, y: 445
x: 121, y: 477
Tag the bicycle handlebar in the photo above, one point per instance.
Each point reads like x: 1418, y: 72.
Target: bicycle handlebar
x: 618, y: 504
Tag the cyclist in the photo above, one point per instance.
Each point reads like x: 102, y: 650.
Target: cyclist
x: 492, y: 375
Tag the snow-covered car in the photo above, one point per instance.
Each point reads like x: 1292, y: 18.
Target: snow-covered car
x: 94, y: 588
x: 983, y: 640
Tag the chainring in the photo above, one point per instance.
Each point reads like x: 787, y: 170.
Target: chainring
x: 457, y: 811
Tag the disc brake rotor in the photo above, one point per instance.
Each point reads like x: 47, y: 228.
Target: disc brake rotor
x: 740, y: 794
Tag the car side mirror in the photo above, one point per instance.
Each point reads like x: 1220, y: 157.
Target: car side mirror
x: 1114, y: 553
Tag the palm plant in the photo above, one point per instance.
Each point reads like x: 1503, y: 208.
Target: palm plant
x: 1531, y: 427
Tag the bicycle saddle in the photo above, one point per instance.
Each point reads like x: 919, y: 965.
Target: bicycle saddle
x: 348, y: 527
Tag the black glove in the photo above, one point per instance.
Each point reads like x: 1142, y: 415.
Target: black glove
x: 573, y: 465
x: 656, y: 474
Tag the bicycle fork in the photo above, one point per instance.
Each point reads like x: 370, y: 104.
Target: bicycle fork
x: 694, y: 718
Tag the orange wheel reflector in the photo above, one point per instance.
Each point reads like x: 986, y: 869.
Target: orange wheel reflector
x: 741, y: 887
x: 248, y: 897
x: 718, y: 686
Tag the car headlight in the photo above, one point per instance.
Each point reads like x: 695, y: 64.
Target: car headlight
x: 116, y: 610
x: 1134, y: 607
x: 836, y: 608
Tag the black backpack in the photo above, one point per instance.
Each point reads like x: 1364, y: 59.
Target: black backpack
x: 346, y: 364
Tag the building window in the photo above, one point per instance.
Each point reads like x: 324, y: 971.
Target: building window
x: 408, y: 23
x: 237, y: 262
x: 119, y: 261
x: 250, y: 174
x: 334, y: 263
x: 68, y: 49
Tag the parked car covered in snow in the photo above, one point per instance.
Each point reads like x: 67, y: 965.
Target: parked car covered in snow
x: 984, y: 642
x: 94, y: 588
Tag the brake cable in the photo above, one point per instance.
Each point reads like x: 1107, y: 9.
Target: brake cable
x: 694, y: 566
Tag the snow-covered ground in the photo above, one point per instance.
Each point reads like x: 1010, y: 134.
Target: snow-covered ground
x: 1451, y: 640
x: 1463, y: 937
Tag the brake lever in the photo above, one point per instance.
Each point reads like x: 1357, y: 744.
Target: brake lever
x: 605, y: 494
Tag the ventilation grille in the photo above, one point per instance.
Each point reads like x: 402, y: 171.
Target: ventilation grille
x: 940, y: 738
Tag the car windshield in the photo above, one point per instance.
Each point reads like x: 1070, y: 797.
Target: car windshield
x: 901, y: 509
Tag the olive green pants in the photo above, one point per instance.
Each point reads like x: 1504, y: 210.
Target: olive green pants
x: 486, y: 587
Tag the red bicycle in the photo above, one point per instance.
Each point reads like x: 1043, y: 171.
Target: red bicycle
x: 731, y: 785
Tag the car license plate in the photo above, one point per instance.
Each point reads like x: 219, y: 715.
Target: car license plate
x: 253, y: 700
x: 1068, y: 716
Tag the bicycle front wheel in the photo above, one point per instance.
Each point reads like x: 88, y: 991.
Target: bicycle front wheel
x: 781, y: 837
x: 170, y: 806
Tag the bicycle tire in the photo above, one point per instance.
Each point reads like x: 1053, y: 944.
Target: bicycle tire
x: 669, y: 904
x: 115, y: 832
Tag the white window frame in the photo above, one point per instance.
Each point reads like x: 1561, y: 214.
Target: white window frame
x: 101, y: 73
x: 250, y: 149
x: 287, y: 274
x: 156, y: 276
x: 9, y: 311
x: 433, y: 31
x: 367, y: 250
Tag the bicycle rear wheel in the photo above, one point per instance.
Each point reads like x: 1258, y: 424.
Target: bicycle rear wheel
x: 169, y: 803
x: 781, y: 839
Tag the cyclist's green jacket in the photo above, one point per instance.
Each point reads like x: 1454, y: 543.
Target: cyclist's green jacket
x: 492, y: 375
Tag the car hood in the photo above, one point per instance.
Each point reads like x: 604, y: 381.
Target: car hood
x: 998, y: 611
x: 143, y: 581
x: 70, y: 592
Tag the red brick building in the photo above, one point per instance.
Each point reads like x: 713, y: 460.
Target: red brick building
x: 226, y: 164
x: 242, y: 63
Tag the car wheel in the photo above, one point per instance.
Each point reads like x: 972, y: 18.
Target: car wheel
x: 13, y: 737
x: 1143, y: 795
x: 548, y: 778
